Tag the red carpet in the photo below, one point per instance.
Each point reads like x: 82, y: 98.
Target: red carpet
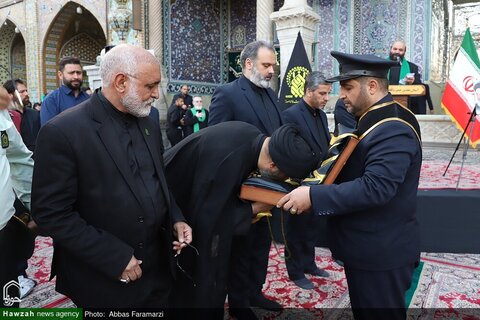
x: 432, y: 176
x: 448, y: 282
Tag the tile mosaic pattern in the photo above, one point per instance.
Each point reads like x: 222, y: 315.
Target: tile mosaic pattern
x: 7, y: 33
x: 370, y: 26
x: 377, y: 24
x: 195, y: 41
x: 324, y: 37
x: 242, y: 23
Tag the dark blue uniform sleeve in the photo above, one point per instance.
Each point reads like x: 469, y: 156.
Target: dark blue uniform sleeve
x: 388, y: 153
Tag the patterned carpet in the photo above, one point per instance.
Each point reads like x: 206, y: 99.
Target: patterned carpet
x: 448, y: 283
x: 448, y: 286
x: 433, y: 178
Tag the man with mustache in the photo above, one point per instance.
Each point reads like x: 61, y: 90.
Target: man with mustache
x: 250, y: 99
x: 70, y: 92
x: 99, y: 190
x: 371, y: 208
x: 30, y: 118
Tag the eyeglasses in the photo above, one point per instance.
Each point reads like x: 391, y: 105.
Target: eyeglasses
x: 176, y: 256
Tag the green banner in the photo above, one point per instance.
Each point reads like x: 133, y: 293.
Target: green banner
x: 44, y: 314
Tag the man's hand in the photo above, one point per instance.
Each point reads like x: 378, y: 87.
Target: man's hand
x: 183, y: 232
x: 431, y: 111
x: 297, y: 201
x: 132, y: 272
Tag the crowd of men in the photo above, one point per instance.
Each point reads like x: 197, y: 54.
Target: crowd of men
x: 135, y: 227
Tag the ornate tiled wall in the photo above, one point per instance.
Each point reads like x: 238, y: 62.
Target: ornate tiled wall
x: 52, y: 46
x: 49, y: 9
x: 242, y: 23
x: 463, y: 15
x: 438, y: 50
x: 370, y: 26
x: 7, y: 33
x: 193, y: 43
x: 18, y: 58
x: 324, y: 42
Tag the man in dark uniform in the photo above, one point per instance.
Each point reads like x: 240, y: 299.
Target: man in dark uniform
x: 250, y: 99
x: 205, y: 172
x: 99, y: 190
x: 371, y: 208
x: 302, y: 230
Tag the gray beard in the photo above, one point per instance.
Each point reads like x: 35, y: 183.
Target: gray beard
x: 135, y: 107
x: 256, y: 79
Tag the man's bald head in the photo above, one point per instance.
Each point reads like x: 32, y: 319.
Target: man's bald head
x: 124, y: 58
x: 130, y: 79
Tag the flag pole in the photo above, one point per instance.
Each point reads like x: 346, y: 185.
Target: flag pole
x: 464, y: 156
x: 472, y: 119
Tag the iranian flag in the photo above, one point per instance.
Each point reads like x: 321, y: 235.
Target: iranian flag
x: 459, y: 98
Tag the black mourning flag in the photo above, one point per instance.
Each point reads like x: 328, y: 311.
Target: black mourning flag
x: 293, y: 81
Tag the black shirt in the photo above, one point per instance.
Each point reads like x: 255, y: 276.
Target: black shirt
x: 317, y: 116
x: 269, y: 108
x: 143, y: 169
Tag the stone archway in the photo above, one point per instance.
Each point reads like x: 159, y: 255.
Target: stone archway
x: 18, y: 58
x: 12, y: 53
x: 74, y: 34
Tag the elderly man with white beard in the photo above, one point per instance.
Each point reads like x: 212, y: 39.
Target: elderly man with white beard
x: 99, y: 190
x: 250, y: 99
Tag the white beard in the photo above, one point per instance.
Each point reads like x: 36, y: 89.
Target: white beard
x: 134, y: 104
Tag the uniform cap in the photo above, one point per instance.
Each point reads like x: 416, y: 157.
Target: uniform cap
x: 352, y: 66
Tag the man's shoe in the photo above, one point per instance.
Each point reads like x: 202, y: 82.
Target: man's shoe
x: 26, y: 286
x: 261, y: 301
x: 242, y: 313
x: 319, y: 273
x: 304, y: 283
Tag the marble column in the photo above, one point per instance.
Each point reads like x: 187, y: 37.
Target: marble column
x: 32, y: 49
x: 155, y: 29
x: 264, y: 24
x: 293, y: 17
x: 265, y: 28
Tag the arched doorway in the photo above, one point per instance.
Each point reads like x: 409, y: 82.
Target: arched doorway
x: 12, y: 53
x: 71, y: 34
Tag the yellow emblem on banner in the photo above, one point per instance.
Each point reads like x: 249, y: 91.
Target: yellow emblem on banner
x: 296, y: 81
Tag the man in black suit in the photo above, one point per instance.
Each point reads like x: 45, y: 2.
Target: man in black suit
x: 302, y: 233
x: 371, y: 208
x: 402, y: 74
x: 250, y: 99
x: 99, y: 190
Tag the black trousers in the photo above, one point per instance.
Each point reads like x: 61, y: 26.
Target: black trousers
x: 174, y: 135
x: 16, y: 246
x: 302, y: 234
x: 379, y: 294
x: 248, y: 264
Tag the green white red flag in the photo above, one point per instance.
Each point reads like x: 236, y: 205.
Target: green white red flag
x: 459, y: 97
